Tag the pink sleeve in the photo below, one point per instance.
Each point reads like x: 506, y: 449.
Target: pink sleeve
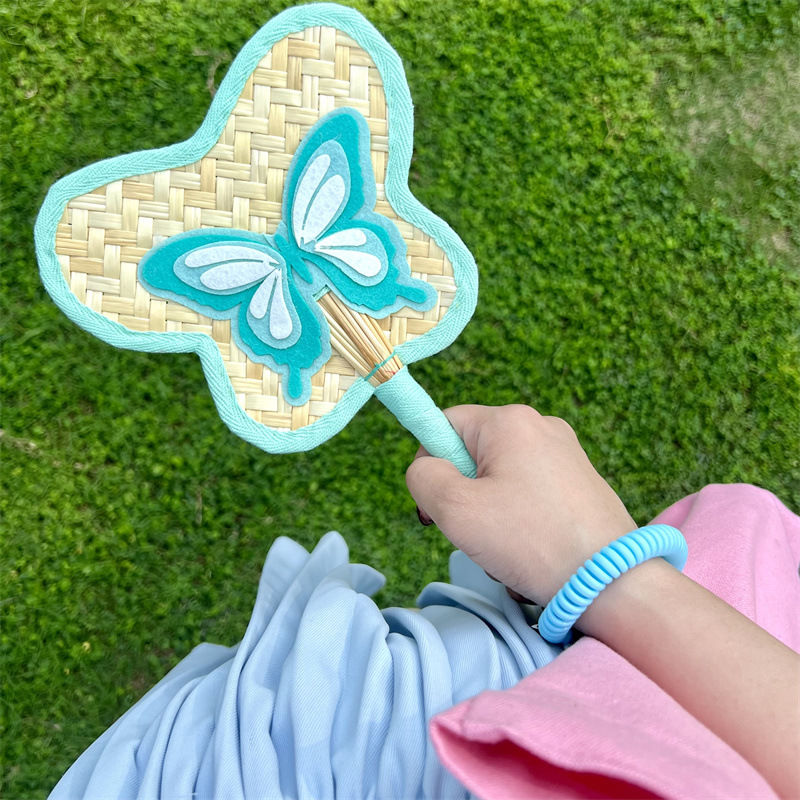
x: 590, y: 725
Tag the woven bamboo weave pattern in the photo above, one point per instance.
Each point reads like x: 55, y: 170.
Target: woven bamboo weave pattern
x: 239, y: 184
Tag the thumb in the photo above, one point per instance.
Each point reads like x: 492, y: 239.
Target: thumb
x: 439, y: 489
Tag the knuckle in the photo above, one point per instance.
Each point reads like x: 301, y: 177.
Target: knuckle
x: 560, y: 426
x: 454, y: 507
x: 518, y: 414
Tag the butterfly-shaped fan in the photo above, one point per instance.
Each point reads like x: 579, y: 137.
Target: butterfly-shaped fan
x: 280, y: 242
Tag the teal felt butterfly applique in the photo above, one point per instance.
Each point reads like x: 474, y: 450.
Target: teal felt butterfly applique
x: 329, y: 239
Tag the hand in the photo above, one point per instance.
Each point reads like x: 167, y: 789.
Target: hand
x: 537, y: 509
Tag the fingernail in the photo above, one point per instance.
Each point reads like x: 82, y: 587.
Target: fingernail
x: 423, y: 517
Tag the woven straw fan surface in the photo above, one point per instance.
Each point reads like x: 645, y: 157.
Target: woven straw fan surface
x: 239, y: 183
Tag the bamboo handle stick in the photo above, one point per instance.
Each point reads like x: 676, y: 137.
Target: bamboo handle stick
x: 360, y: 339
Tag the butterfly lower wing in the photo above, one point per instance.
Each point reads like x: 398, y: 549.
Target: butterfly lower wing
x: 298, y: 361
x: 366, y: 265
x: 240, y: 276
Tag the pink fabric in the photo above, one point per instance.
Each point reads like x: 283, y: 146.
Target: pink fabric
x: 590, y: 725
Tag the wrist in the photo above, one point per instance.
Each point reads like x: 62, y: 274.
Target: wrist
x: 602, y: 569
x: 650, y: 584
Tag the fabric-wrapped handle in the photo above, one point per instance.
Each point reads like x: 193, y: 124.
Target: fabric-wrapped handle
x: 415, y: 411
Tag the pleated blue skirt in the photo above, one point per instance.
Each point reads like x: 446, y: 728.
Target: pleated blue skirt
x: 325, y: 696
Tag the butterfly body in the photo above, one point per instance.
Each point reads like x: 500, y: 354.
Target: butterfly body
x: 330, y: 239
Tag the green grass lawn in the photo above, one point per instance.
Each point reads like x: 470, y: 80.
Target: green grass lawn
x: 627, y: 175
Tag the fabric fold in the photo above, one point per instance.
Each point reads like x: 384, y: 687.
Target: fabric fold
x: 325, y: 696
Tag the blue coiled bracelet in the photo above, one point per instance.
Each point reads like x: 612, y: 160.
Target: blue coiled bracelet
x: 613, y: 560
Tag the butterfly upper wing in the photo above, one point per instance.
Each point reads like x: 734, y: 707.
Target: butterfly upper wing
x: 322, y: 193
x: 255, y: 277
x: 238, y: 275
x: 330, y: 222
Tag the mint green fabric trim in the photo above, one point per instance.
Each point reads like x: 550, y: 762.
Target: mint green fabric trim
x: 400, y: 114
x: 415, y: 410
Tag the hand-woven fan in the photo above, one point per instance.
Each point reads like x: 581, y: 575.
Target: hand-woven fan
x: 280, y: 242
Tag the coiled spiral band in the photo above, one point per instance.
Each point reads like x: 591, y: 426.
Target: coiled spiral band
x: 613, y: 560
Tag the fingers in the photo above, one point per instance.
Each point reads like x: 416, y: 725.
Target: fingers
x: 467, y: 421
x: 483, y: 428
x: 492, y: 437
x: 438, y: 488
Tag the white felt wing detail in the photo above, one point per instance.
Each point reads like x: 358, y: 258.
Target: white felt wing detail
x: 270, y: 299
x: 320, y: 196
x: 360, y: 249
x: 231, y: 266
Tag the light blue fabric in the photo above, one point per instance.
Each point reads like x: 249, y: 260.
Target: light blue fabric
x: 325, y: 696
